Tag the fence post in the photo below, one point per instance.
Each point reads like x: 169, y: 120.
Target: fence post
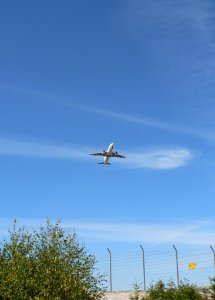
x: 176, y: 256
x: 213, y: 255
x: 144, y: 271
x: 110, y: 266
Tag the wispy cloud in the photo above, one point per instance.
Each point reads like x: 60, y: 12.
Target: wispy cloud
x: 180, y: 37
x: 160, y: 158
x: 42, y: 150
x: 190, y: 233
x: 198, y: 132
x: 119, y: 116
x: 154, y: 159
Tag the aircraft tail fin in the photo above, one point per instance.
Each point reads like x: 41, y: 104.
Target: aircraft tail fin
x: 102, y: 163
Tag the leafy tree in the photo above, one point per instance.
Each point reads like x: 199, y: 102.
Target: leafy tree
x: 48, y: 264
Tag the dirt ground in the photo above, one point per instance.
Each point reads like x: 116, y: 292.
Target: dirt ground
x: 118, y: 295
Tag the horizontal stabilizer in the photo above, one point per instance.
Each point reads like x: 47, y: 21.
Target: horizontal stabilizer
x: 102, y: 163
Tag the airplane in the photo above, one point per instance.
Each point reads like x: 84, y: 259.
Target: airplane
x: 107, y: 155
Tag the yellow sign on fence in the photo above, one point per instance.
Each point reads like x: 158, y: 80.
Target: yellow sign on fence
x: 192, y: 266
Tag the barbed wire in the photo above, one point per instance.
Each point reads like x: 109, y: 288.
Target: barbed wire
x: 127, y: 267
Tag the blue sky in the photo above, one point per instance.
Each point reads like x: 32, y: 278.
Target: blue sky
x: 76, y: 76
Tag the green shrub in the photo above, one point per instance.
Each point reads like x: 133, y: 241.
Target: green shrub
x: 187, y: 291
x: 160, y: 291
x: 212, y: 288
x: 137, y: 290
x: 48, y: 264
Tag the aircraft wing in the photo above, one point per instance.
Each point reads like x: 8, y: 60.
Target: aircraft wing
x: 115, y: 154
x: 99, y: 154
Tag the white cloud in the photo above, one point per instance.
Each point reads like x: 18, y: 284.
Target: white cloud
x: 119, y: 116
x: 32, y: 149
x: 159, y: 158
x: 198, y: 132
x: 189, y: 233
x: 179, y: 33
x: 154, y: 159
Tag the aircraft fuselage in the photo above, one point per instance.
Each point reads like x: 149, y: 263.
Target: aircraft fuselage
x: 109, y: 152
